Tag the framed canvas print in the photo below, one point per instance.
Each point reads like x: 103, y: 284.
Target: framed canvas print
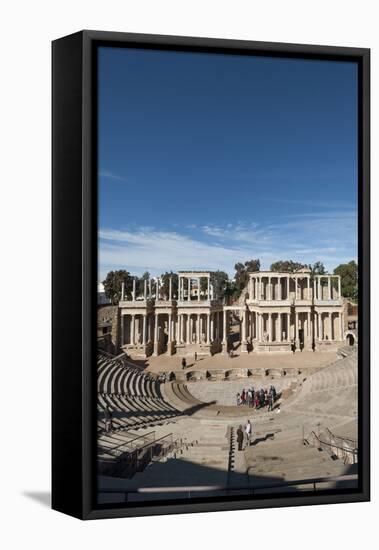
x: 211, y: 290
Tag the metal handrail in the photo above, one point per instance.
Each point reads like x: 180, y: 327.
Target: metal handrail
x: 126, y: 443
x: 354, y: 441
x: 333, y: 446
x: 195, y: 489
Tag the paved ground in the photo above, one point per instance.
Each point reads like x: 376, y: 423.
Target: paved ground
x: 224, y: 393
x: 302, y: 360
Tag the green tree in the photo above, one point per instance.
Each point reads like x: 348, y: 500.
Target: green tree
x: 241, y: 276
x: 318, y: 268
x: 165, y: 284
x: 113, y: 282
x: 287, y: 266
x: 141, y: 282
x: 349, y: 279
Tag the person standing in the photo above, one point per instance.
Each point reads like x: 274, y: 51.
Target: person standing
x: 184, y: 363
x: 238, y: 399
x: 248, y: 432
x: 240, y: 438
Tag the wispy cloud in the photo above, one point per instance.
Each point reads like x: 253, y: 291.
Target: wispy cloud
x: 111, y: 176
x: 329, y: 237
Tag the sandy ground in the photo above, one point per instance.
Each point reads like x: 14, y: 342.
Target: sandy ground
x: 302, y: 360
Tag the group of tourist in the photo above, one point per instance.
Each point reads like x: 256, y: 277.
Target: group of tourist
x: 257, y: 399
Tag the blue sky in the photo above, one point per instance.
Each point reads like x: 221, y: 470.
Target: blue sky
x: 206, y: 160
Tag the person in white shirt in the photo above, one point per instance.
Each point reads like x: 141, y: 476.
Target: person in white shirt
x: 248, y: 433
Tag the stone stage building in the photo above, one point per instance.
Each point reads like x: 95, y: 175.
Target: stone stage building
x: 276, y: 312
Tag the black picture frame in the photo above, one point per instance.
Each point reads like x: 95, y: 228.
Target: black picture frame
x: 74, y: 268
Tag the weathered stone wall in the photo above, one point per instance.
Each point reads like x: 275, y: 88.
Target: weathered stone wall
x: 109, y: 313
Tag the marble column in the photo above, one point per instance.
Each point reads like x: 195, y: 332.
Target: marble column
x: 269, y: 328
x: 341, y: 325
x: 208, y: 328
x: 132, y: 331
x: 134, y: 289
x: 122, y: 330
x: 288, y: 327
x: 330, y: 329
x: 279, y: 288
x: 279, y: 335
x: 198, y: 328
x: 320, y: 331
x: 296, y: 327
x: 169, y: 327
x: 339, y: 288
x: 309, y: 325
x: 144, y: 328
x: 225, y: 336
x: 198, y: 289
x: 208, y: 289
x: 122, y: 291
x: 329, y: 290
x: 212, y: 327
x: 189, y: 289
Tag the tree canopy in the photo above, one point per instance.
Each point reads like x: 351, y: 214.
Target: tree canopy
x: 164, y: 288
x: 112, y: 284
x: 290, y: 266
x: 349, y: 279
x: 242, y: 274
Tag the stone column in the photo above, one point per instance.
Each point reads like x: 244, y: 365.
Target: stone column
x: 319, y: 297
x: 330, y: 330
x: 150, y: 289
x: 198, y: 328
x: 339, y: 287
x: 134, y: 289
x: 320, y: 331
x: 208, y: 328
x: 288, y: 327
x: 269, y: 328
x: 170, y: 289
x: 144, y: 328
x: 198, y: 289
x: 279, y: 288
x: 208, y: 288
x: 132, y: 330
x: 250, y: 288
x: 329, y: 290
x: 189, y: 288
x: 157, y: 290
x: 212, y: 327
x: 314, y: 290
x: 144, y: 289
x: 181, y: 328
x: 308, y: 288
x: 156, y: 328
x: 179, y: 289
x: 169, y: 328
x: 341, y: 325
x: 296, y: 335
x: 122, y: 291
x: 122, y: 330
x: 309, y: 325
x: 269, y: 288
x: 279, y: 335
x: 288, y: 287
